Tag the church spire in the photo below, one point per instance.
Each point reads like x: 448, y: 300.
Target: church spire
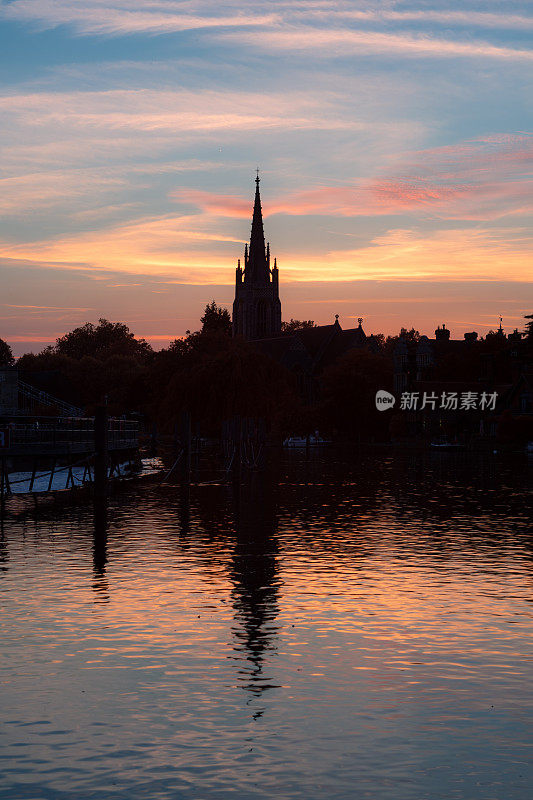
x: 257, y: 308
x: 257, y: 262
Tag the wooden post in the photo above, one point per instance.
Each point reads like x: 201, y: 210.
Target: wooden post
x: 186, y: 445
x: 176, y: 441
x: 2, y: 483
x: 32, y: 479
x: 100, y: 536
x: 237, y: 444
x: 101, y: 426
x: 50, y: 482
x: 153, y: 440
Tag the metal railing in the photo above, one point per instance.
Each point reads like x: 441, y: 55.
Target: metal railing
x: 43, y: 398
x: 70, y: 433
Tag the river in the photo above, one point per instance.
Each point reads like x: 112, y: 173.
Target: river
x: 331, y: 629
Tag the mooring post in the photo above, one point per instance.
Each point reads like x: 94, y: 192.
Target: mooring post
x: 51, y: 480
x: 2, y: 482
x: 153, y: 440
x: 237, y: 448
x: 101, y: 434
x: 176, y: 441
x: 186, y: 444
x: 100, y: 536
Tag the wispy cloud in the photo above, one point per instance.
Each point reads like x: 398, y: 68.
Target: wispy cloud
x: 468, y: 18
x: 42, y: 189
x: 158, y: 246
x: 165, y: 248
x: 129, y: 171
x: 92, y: 147
x: 334, y: 42
x: 475, y: 180
x: 112, y: 17
x: 119, y: 17
x: 181, y: 111
x: 46, y: 308
x: 369, y: 199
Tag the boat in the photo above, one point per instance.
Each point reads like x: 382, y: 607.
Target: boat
x: 306, y: 441
x: 443, y: 443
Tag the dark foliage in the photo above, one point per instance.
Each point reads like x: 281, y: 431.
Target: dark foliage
x: 101, y: 342
x: 297, y: 325
x: 95, y: 364
x: 349, y: 388
x: 410, y: 337
x: 215, y: 377
x: 216, y: 319
x: 6, y: 354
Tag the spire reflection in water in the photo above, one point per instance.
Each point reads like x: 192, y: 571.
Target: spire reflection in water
x: 254, y: 574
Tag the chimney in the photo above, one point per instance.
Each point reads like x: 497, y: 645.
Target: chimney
x: 442, y: 334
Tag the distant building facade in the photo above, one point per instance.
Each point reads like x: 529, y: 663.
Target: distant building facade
x: 442, y: 367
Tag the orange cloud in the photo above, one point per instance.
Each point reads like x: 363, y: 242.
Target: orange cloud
x: 172, y: 248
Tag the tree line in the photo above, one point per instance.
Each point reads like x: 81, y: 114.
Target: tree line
x: 216, y: 376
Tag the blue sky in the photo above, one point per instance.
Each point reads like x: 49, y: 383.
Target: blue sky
x: 394, y: 141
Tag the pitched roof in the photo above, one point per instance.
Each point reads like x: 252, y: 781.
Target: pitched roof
x: 312, y: 348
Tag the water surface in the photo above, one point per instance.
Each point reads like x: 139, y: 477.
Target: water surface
x: 329, y: 630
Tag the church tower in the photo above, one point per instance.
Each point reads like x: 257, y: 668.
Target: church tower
x: 257, y: 308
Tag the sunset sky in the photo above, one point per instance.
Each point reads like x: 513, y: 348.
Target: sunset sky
x: 393, y: 138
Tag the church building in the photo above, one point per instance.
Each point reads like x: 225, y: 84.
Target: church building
x: 257, y: 307
x: 257, y: 317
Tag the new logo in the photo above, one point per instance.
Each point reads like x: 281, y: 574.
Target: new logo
x: 384, y: 400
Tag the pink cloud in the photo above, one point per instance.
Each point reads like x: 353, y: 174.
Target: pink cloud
x: 376, y: 197
x: 482, y: 179
x: 217, y: 204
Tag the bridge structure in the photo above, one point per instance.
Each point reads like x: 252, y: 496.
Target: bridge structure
x: 31, y: 397
x: 40, y: 451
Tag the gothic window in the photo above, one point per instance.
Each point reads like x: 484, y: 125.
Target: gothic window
x: 262, y: 316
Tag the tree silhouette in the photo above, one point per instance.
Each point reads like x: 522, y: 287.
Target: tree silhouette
x: 6, y: 354
x: 215, y: 377
x: 297, y: 325
x: 216, y: 319
x: 101, y: 341
x: 349, y: 389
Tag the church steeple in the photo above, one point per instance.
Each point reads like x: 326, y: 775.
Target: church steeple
x: 257, y: 309
x: 258, y: 271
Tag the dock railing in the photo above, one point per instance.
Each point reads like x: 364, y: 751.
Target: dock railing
x: 69, y: 434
